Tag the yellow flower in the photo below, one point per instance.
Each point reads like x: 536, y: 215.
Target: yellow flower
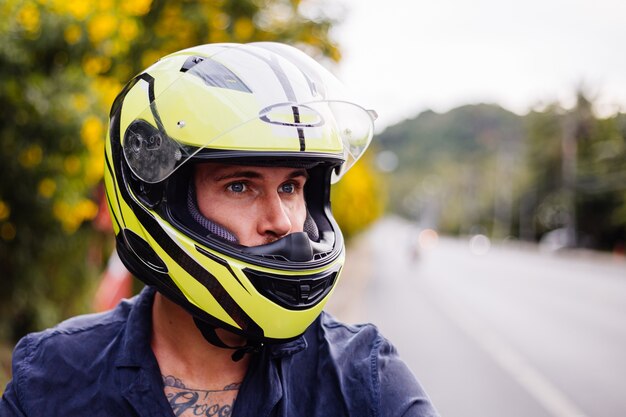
x: 31, y: 156
x: 219, y: 20
x: 217, y: 36
x: 128, y: 30
x: 72, y: 34
x: 150, y: 57
x: 335, y: 53
x: 85, y: 210
x: 358, y: 199
x: 71, y: 164
x: 47, y: 187
x: 94, y: 169
x: 72, y: 216
x: 79, y: 9
x: 92, y: 132
x: 243, y: 29
x: 29, y: 18
x: 5, y: 210
x: 93, y: 65
x: 60, y: 210
x: 105, y: 5
x: 101, y: 27
x: 107, y: 88
x: 136, y: 7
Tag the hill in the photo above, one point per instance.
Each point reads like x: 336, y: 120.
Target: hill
x: 450, y: 159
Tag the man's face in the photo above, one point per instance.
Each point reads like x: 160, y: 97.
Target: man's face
x: 257, y: 204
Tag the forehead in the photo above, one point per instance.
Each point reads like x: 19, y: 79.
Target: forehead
x: 212, y: 171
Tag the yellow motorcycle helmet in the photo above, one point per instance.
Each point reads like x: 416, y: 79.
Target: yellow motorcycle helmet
x: 260, y: 104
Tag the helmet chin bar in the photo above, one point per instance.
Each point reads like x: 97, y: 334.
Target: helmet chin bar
x: 296, y: 247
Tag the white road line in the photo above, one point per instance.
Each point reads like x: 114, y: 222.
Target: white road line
x: 537, y: 385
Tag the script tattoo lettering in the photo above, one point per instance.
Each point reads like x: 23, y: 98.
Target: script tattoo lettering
x: 188, y: 402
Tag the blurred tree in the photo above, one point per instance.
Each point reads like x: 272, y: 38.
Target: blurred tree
x: 483, y: 169
x: 577, y: 176
x: 62, y: 62
x: 600, y: 179
x: 542, y: 206
x: 457, y: 170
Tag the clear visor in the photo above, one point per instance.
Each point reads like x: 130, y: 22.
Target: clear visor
x: 265, y: 97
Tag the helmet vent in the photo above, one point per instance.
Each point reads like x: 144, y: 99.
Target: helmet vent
x: 322, y: 255
x: 214, y: 74
x: 297, y: 292
x: 316, y: 256
x: 275, y: 257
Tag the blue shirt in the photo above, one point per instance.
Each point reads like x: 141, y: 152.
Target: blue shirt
x: 102, y: 365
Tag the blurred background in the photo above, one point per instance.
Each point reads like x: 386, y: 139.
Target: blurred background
x: 486, y: 226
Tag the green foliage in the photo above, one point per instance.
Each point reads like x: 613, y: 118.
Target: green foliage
x: 483, y: 169
x: 450, y: 164
x: 40, y: 154
x: 61, y: 65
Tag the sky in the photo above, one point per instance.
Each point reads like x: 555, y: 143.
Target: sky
x: 402, y: 57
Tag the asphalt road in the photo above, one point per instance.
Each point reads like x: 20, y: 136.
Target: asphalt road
x: 496, y: 331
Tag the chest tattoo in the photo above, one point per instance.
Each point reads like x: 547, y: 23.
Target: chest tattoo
x: 186, y: 401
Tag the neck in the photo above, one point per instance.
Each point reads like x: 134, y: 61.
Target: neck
x: 183, y: 352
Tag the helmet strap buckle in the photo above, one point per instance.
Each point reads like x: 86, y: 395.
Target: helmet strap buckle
x: 210, y: 335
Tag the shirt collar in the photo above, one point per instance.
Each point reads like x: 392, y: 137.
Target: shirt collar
x: 138, y: 332
x: 140, y: 377
x: 288, y: 348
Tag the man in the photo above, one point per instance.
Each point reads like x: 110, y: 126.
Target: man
x: 219, y: 161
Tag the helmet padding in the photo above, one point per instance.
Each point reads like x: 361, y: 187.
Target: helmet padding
x: 209, y: 225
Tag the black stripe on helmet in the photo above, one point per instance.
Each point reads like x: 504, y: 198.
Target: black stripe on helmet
x: 287, y: 88
x: 223, y: 263
x: 113, y: 178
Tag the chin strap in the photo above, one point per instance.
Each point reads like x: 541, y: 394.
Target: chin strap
x: 208, y: 331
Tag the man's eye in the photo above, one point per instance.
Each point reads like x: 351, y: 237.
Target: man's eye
x: 237, y: 187
x: 288, y: 188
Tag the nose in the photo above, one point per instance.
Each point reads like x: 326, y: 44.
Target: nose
x: 274, y: 219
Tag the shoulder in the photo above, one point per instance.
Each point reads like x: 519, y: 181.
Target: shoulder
x: 74, y: 336
x: 352, y: 339
x: 73, y: 366
x: 362, y: 353
x: 69, y: 355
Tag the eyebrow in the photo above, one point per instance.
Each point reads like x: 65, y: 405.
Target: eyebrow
x: 252, y: 174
